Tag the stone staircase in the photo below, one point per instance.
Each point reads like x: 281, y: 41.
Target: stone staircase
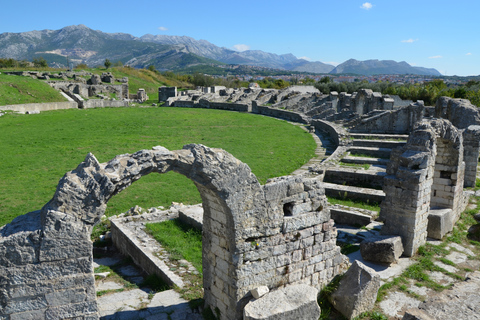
x: 359, y: 174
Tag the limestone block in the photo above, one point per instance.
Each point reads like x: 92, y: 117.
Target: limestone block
x: 383, y: 249
x: 357, y: 290
x: 439, y: 223
x: 350, y: 217
x: 416, y: 314
x: 291, y: 302
x: 259, y: 292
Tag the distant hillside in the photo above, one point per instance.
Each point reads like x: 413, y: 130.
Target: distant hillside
x: 80, y: 44
x: 84, y: 45
x: 371, y: 67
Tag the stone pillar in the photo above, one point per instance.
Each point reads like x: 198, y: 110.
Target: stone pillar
x: 471, y: 148
x: 334, y: 99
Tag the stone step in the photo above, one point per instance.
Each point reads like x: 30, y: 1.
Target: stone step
x: 378, y: 143
x: 354, y: 193
x: 350, y: 216
x: 364, y: 160
x: 359, y: 177
x: 383, y: 153
x: 379, y: 136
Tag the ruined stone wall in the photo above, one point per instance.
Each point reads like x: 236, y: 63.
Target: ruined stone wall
x: 34, y: 107
x: 89, y: 90
x: 460, y: 112
x: 471, y: 150
x: 279, y: 113
x: 337, y: 133
x: 272, y: 235
x: 166, y: 92
x: 398, y: 121
x: 427, y: 171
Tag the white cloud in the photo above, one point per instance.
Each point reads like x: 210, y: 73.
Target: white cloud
x: 469, y: 54
x: 410, y: 40
x: 332, y: 63
x: 435, y: 57
x: 305, y: 58
x: 367, y: 6
x: 162, y: 28
x: 241, y: 47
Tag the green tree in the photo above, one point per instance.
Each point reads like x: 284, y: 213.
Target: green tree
x: 40, y: 62
x: 107, y: 63
x: 325, y: 79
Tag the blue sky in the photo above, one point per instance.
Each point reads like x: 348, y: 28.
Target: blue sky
x: 435, y: 34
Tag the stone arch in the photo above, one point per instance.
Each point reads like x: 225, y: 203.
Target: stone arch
x: 85, y: 191
x: 424, y: 175
x: 248, y: 240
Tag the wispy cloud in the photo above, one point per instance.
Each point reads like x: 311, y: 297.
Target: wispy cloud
x: 162, y: 28
x: 241, y: 47
x: 409, y: 40
x: 367, y: 6
x: 435, y: 57
x: 469, y: 54
x: 332, y: 63
x: 305, y: 58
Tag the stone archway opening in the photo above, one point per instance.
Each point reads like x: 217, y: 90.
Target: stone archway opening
x: 248, y: 241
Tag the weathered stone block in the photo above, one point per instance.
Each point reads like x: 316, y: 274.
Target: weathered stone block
x: 291, y: 302
x: 357, y: 290
x: 350, y: 217
x: 440, y: 222
x: 383, y: 249
x: 259, y: 292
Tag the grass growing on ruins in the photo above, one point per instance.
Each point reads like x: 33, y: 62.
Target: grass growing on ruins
x: 37, y: 150
x: 182, y: 242
x: 364, y: 166
x: 372, y: 206
x: 145, y: 79
x: 19, y: 90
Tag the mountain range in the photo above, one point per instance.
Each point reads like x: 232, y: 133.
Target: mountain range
x: 80, y: 44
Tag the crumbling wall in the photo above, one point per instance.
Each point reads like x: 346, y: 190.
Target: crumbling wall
x: 90, y: 90
x: 471, y: 150
x: 166, y: 92
x: 279, y: 113
x: 277, y: 234
x: 427, y: 171
x: 398, y: 121
x: 463, y: 115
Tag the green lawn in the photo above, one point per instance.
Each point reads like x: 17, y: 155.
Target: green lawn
x: 37, y: 150
x: 19, y: 90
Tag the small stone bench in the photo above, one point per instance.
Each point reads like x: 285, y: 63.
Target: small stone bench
x: 291, y: 302
x: 382, y: 249
x: 440, y: 222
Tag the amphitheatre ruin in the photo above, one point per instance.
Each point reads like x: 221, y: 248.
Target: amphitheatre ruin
x: 260, y: 242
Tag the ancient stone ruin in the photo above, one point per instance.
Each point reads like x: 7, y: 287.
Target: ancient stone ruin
x: 253, y: 235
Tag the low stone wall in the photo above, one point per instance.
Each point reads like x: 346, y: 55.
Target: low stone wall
x: 39, y: 107
x: 100, y: 103
x: 337, y: 133
x: 142, y: 254
x: 279, y: 113
x: 240, y: 107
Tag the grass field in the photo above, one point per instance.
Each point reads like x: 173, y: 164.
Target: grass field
x: 37, y: 150
x: 19, y: 90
